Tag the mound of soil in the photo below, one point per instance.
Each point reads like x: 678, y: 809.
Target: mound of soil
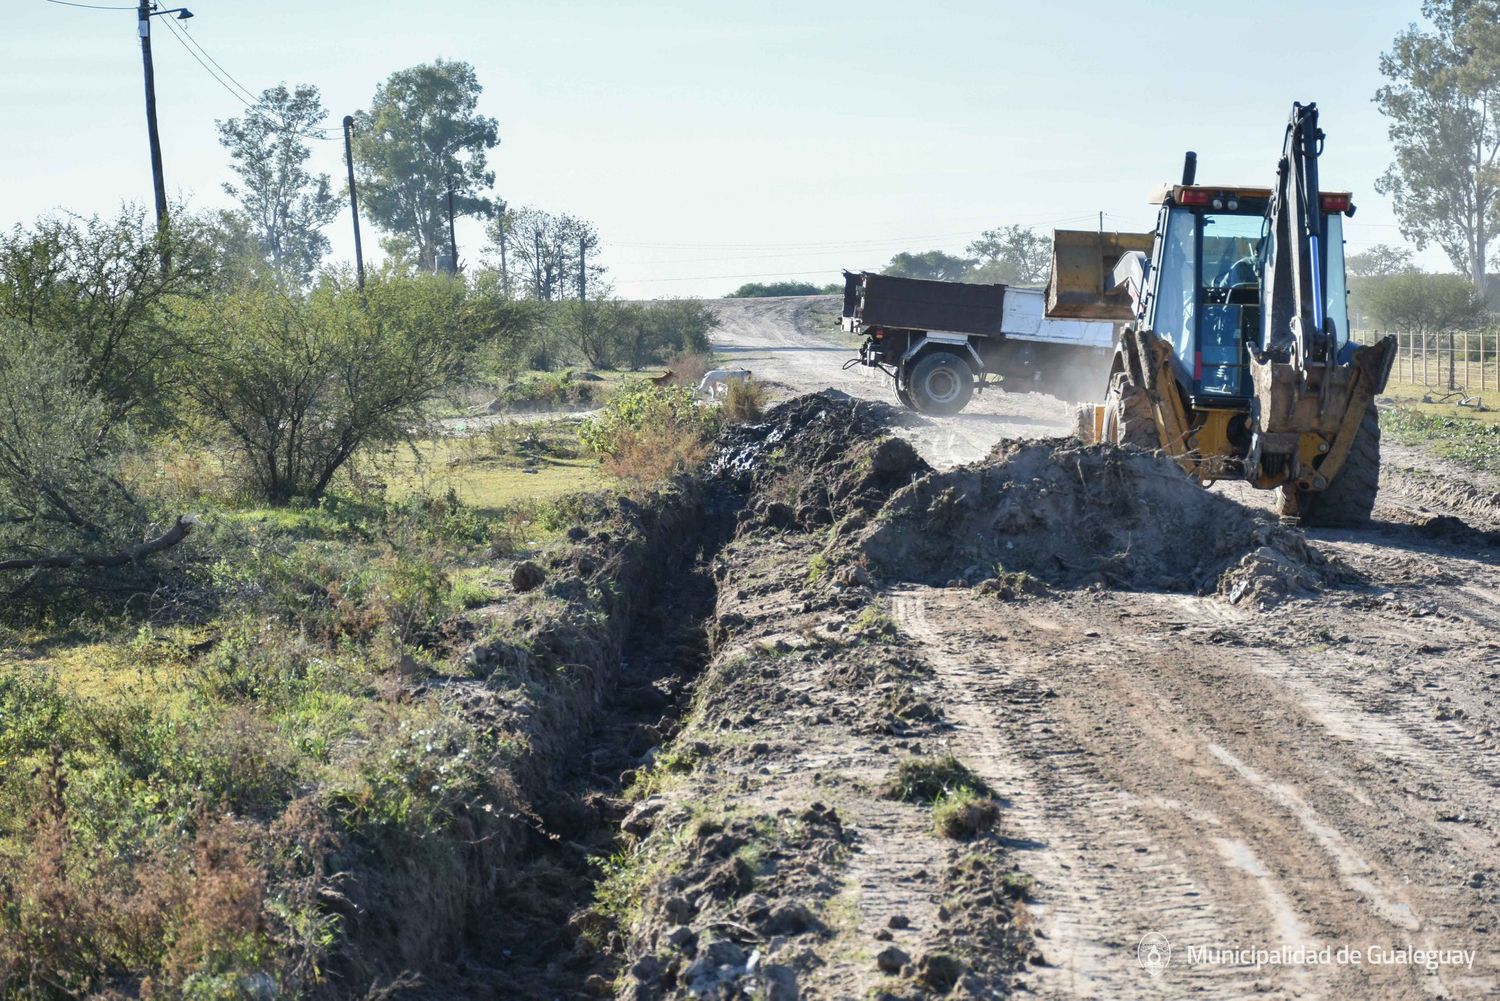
x: 1072, y: 515
x: 816, y: 460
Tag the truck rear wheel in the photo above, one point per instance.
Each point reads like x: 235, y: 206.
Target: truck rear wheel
x: 1128, y: 419
x: 1349, y: 499
x: 904, y: 395
x: 941, y: 383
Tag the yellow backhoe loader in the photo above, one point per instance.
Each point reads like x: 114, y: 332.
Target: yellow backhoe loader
x: 1236, y: 358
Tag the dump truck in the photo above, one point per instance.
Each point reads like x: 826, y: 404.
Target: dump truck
x: 1236, y: 358
x: 943, y: 341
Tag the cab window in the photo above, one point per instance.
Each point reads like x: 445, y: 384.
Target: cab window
x: 1173, y: 307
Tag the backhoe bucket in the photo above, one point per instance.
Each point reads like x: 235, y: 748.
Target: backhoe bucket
x: 1082, y: 284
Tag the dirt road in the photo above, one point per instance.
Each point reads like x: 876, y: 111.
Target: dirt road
x: 1317, y: 781
x: 792, y: 341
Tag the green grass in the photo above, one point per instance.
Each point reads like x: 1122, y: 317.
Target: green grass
x: 490, y: 470
x: 1410, y: 397
x: 925, y: 779
x: 963, y: 812
x: 1467, y: 441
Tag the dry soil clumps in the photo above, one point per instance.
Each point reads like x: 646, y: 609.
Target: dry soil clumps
x: 1071, y: 515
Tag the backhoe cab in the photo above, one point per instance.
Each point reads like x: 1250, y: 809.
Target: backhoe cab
x: 1237, y: 359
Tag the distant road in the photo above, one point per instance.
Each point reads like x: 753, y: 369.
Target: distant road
x: 780, y: 340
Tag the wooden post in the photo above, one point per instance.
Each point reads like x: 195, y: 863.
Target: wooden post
x: 359, y: 254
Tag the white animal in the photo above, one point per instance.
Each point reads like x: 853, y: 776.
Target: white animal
x: 716, y: 383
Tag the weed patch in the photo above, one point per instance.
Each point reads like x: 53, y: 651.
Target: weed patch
x: 961, y: 813
x: 1465, y: 441
x: 923, y: 780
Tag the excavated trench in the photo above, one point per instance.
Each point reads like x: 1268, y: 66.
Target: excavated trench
x: 642, y: 619
x: 633, y: 629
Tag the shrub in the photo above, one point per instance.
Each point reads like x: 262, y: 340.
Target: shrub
x: 608, y: 333
x: 689, y: 367
x: 97, y: 289
x: 298, y: 385
x: 68, y: 518
x: 646, y: 433
x: 744, y: 402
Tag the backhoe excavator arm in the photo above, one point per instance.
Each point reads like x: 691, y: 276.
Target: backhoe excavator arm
x: 1295, y: 289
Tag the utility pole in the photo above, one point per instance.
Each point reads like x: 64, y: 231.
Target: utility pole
x: 504, y: 267
x: 359, y: 254
x: 537, y: 245
x: 452, y: 239
x: 143, y: 17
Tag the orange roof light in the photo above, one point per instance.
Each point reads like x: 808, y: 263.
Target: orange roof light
x: 1338, y: 203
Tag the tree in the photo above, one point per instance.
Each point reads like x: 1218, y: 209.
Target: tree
x: 1380, y: 261
x: 298, y: 384
x: 543, y: 253
x: 1424, y: 305
x: 752, y: 290
x: 1012, y: 255
x: 421, y: 135
x: 934, y: 264
x: 286, y: 206
x: 98, y: 287
x: 1443, y: 101
x: 68, y: 519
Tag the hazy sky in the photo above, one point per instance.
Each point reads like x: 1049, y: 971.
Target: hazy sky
x: 713, y: 142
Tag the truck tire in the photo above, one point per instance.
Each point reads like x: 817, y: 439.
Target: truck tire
x: 1128, y: 419
x: 1349, y: 499
x: 904, y: 395
x: 941, y: 383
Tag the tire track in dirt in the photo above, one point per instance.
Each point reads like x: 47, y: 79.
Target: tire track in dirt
x: 1211, y: 759
x: 1103, y: 882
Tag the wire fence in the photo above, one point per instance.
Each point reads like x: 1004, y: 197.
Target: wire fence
x: 1461, y: 361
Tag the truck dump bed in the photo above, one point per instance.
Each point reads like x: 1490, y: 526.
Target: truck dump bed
x: 917, y: 304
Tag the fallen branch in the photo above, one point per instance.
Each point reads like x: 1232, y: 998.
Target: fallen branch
x: 171, y: 537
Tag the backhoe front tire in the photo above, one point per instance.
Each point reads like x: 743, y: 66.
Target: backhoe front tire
x: 1128, y: 417
x: 941, y: 383
x: 1350, y: 498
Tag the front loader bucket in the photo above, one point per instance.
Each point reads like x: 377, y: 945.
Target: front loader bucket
x: 1081, y: 286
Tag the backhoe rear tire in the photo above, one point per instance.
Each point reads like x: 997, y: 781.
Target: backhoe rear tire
x: 1128, y: 418
x: 904, y: 395
x: 941, y: 383
x: 1350, y: 498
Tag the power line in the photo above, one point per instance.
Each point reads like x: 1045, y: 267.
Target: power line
x: 831, y: 244
x: 231, y: 91
x: 229, y: 76
x: 87, y: 6
x: 183, y: 38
